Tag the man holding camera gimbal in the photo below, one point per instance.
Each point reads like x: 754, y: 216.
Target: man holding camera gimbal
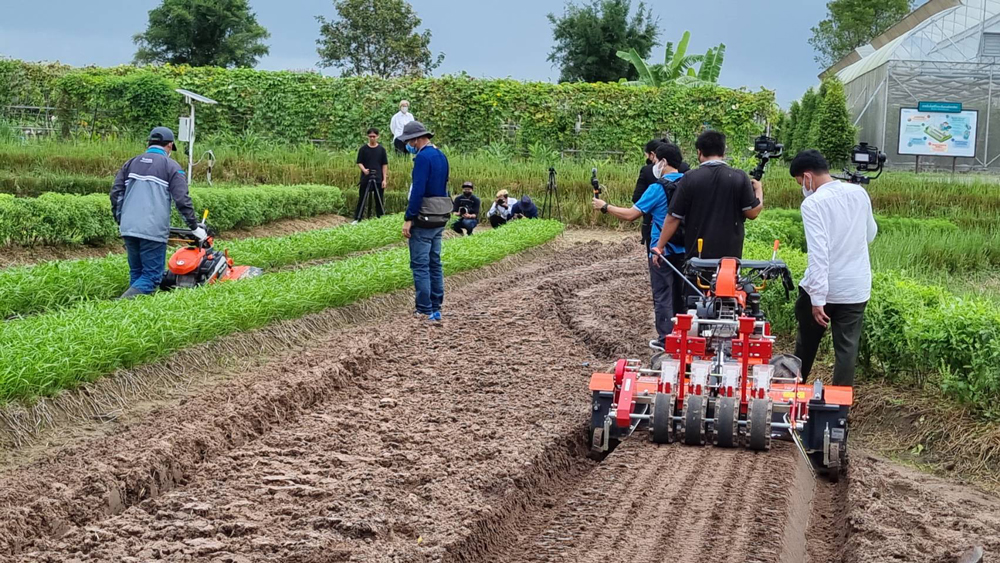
x: 466, y: 210
x: 374, y: 164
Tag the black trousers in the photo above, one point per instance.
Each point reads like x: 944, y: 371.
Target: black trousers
x: 377, y: 195
x: 668, y: 294
x: 496, y: 221
x: 846, y: 322
x: 647, y: 230
x: 400, y: 146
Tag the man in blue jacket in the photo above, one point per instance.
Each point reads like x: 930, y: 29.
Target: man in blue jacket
x: 655, y: 201
x: 140, y: 202
x: 428, y: 211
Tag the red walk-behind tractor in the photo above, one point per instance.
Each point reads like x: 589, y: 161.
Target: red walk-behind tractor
x: 716, y: 380
x: 198, y: 263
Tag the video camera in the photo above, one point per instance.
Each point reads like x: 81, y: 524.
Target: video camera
x: 865, y: 159
x: 595, y: 183
x: 765, y: 148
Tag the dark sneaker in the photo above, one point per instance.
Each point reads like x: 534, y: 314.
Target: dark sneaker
x: 656, y: 344
x: 131, y: 293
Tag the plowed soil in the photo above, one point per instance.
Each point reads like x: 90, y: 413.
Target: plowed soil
x: 400, y: 441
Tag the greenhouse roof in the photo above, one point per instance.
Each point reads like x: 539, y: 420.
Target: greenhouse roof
x: 952, y: 33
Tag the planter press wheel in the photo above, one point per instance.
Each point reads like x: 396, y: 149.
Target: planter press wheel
x: 661, y: 431
x: 694, y: 420
x: 727, y: 411
x: 759, y: 425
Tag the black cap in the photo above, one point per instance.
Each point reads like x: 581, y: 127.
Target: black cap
x: 161, y: 134
x: 467, y: 185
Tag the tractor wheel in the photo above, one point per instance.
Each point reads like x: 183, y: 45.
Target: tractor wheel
x: 759, y: 425
x: 694, y: 420
x: 662, y: 429
x: 727, y: 411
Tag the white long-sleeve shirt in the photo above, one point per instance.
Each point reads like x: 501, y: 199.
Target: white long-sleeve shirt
x: 503, y: 212
x: 839, y: 226
x: 398, y: 122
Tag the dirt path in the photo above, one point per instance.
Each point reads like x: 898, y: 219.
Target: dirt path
x: 401, y: 442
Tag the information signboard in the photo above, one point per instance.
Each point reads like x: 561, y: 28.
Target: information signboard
x: 929, y: 133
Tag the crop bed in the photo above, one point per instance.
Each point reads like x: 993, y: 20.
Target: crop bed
x: 399, y: 441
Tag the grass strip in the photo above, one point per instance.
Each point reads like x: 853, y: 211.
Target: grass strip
x: 27, y: 290
x: 55, y: 218
x: 44, y: 354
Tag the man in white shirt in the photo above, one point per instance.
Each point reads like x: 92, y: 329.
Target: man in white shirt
x: 500, y: 212
x: 402, y: 117
x: 835, y: 289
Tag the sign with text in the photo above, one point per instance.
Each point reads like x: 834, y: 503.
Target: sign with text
x: 940, y: 107
x: 932, y: 133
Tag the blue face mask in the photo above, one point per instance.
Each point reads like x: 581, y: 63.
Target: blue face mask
x: 411, y: 149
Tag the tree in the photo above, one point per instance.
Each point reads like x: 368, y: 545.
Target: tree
x: 800, y: 137
x: 788, y: 130
x: 376, y: 37
x: 677, y: 65
x: 587, y: 39
x: 836, y: 133
x: 814, y: 131
x: 202, y: 33
x: 853, y: 23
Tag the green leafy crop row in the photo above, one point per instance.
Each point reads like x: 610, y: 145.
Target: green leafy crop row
x: 86, y: 219
x: 44, y: 354
x: 914, y: 333
x: 27, y: 290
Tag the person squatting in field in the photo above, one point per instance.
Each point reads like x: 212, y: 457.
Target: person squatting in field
x: 837, y: 284
x: 655, y: 203
x: 427, y: 212
x: 140, y: 202
x: 466, y: 210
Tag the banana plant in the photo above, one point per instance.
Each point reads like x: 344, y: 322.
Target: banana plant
x: 678, y: 66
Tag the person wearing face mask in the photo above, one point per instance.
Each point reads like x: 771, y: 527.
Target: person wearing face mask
x: 837, y: 284
x: 427, y: 212
x: 655, y: 202
x: 466, y: 210
x: 646, y: 179
x: 399, y: 121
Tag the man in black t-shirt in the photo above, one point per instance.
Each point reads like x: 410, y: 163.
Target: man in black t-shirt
x: 713, y: 200
x: 466, y: 210
x: 374, y: 165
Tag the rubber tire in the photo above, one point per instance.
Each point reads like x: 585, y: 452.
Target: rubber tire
x: 727, y: 430
x: 759, y: 418
x: 661, y: 431
x: 694, y: 420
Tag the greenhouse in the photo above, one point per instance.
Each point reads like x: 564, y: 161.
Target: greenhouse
x: 926, y: 90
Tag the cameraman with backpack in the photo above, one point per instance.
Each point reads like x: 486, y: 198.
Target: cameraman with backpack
x: 655, y: 201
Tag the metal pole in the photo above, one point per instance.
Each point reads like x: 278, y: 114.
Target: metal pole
x: 953, y: 160
x: 989, y: 110
x: 916, y: 164
x: 885, y: 110
x: 191, y: 143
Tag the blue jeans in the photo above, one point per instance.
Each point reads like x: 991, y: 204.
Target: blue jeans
x: 146, y: 260
x: 425, y: 262
x: 464, y: 224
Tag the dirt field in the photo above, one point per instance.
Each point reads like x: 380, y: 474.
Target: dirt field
x: 401, y: 442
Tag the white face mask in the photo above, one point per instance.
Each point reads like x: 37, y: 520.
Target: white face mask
x: 806, y: 192
x: 405, y: 110
x: 657, y: 171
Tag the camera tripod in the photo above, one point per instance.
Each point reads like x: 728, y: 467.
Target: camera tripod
x: 551, y: 198
x: 370, y: 196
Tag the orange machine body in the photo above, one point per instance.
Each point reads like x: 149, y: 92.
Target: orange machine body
x: 186, y: 260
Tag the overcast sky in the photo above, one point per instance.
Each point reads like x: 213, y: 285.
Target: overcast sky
x: 766, y: 40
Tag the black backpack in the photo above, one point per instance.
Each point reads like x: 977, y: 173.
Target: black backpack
x: 669, y: 189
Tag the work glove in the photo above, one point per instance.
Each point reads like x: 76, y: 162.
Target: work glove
x: 200, y: 234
